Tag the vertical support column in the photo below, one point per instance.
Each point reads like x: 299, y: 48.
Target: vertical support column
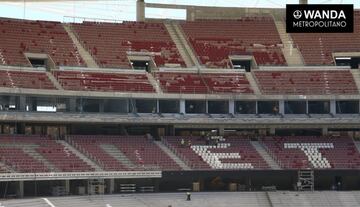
x: 307, y: 107
x: 22, y: 103
x: 324, y: 131
x: 231, y: 107
x: 182, y: 106
x: 282, y: 107
x: 333, y: 106
x: 72, y: 104
x: 101, y: 106
x: 67, y: 187
x: 303, y: 1
x: 157, y: 106
x: 256, y: 107
x: 111, y: 186
x: 272, y: 131
x: 221, y: 130
x: 140, y: 10
x: 207, y: 106
x: 20, y: 192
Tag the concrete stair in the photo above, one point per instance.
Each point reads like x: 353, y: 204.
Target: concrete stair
x: 54, y: 81
x: 37, y: 156
x: 356, y: 75
x: 292, y: 55
x: 182, y: 44
x: 89, y: 61
x: 357, y: 144
x: 154, y: 83
x: 172, y: 155
x: 80, y: 155
x: 265, y: 155
x: 254, y: 86
x: 118, y: 155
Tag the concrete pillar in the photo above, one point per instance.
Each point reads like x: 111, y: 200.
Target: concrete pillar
x: 140, y: 10
x: 20, y: 191
x: 282, y: 107
x: 333, y: 106
x: 72, y: 104
x: 111, y: 186
x: 67, y: 187
x: 303, y: 1
x: 182, y: 106
x: 272, y: 131
x: 221, y: 131
x: 157, y: 106
x: 22, y: 103
x: 256, y: 108
x: 324, y: 131
x: 101, y: 106
x: 231, y: 107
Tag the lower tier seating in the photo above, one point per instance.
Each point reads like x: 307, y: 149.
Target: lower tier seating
x: 204, y: 83
x: 96, y: 81
x: 124, y: 152
x: 315, y: 82
x: 27, y: 154
x: 313, y: 152
x: 228, y: 153
x: 25, y: 79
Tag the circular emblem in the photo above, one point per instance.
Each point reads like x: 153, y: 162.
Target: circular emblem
x: 297, y: 14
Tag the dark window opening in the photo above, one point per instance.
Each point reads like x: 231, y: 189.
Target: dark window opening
x: 195, y: 107
x: 89, y: 105
x: 169, y: 106
x: 141, y: 65
x: 38, y: 62
x: 116, y: 106
x: 295, y: 107
x: 145, y: 106
x: 353, y: 62
x: 268, y: 107
x: 347, y: 107
x: 298, y: 132
x: 242, y: 64
x: 319, y: 107
x: 218, y: 107
x: 245, y: 107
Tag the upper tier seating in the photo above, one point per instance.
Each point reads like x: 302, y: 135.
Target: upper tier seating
x: 314, y: 82
x: 95, y: 81
x: 317, y: 48
x: 230, y: 153
x: 14, y: 152
x: 214, y: 40
x: 203, y: 83
x: 110, y: 42
x: 22, y: 36
x: 25, y: 79
x: 143, y: 153
x: 313, y: 152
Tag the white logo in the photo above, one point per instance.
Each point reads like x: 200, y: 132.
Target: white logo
x: 297, y: 14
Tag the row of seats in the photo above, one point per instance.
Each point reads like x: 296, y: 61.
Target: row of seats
x: 25, y: 79
x: 112, y: 152
x: 215, y: 40
x: 22, y: 36
x: 109, y: 43
x: 95, y: 81
x: 317, y: 48
x: 314, y: 82
x: 204, y: 83
x: 313, y: 152
x: 230, y: 153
